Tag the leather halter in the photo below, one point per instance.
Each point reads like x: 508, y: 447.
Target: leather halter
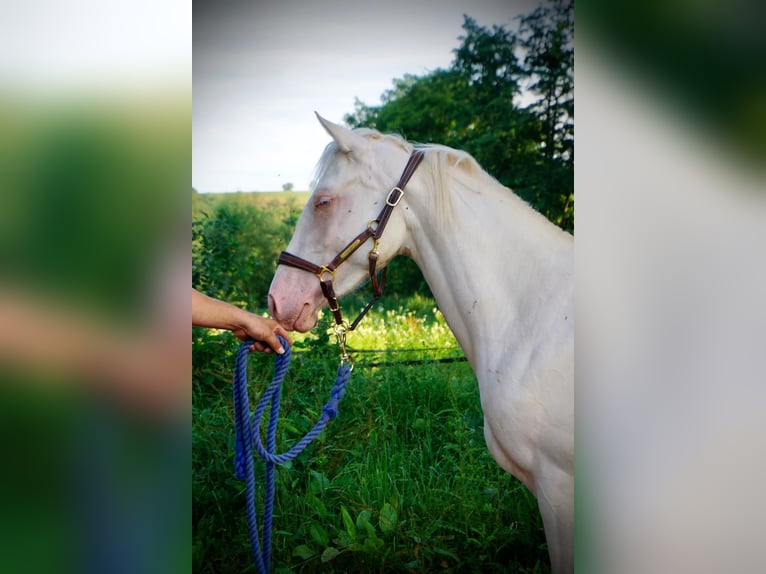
x: 326, y: 273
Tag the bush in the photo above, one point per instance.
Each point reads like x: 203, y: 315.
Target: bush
x: 235, y: 251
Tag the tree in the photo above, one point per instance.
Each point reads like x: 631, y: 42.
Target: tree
x: 287, y: 187
x: 547, y: 37
x: 235, y: 249
x: 473, y: 105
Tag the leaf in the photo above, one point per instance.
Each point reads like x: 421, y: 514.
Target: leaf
x: 320, y: 482
x: 286, y: 424
x: 372, y: 544
x: 317, y: 505
x: 330, y: 553
x: 345, y: 542
x: 348, y: 523
x: 303, y: 552
x: 388, y: 518
x: 363, y: 523
x: 319, y: 534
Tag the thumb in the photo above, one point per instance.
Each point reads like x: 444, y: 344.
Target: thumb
x: 273, y: 342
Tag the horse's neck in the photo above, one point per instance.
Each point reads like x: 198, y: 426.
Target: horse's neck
x: 501, y: 273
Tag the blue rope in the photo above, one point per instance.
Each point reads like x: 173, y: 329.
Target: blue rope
x: 248, y: 436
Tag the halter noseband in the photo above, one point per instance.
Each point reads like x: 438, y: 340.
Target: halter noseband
x: 326, y: 273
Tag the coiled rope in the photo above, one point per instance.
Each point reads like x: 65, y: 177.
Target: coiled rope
x: 248, y: 436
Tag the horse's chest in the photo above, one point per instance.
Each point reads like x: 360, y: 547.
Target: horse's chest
x: 527, y: 412
x: 511, y: 419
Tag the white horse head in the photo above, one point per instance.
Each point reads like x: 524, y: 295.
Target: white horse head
x: 355, y: 173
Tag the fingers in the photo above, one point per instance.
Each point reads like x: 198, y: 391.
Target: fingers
x: 259, y: 347
x: 282, y: 332
x: 264, y: 333
x: 274, y: 343
x: 265, y: 336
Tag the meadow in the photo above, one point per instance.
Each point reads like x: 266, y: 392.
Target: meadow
x: 400, y: 481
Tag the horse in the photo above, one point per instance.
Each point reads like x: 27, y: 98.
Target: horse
x: 501, y: 274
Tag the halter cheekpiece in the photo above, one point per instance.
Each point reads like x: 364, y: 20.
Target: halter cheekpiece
x: 374, y: 230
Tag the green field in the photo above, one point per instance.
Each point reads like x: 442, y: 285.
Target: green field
x: 401, y: 480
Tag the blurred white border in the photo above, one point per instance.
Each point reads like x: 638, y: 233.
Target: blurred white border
x: 671, y: 351
x: 54, y: 47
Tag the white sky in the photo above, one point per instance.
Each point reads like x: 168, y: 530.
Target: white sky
x: 261, y: 68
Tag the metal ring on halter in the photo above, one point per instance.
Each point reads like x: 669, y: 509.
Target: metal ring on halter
x: 323, y: 270
x: 341, y: 329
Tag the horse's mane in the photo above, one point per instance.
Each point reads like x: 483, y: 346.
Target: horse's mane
x: 442, y: 164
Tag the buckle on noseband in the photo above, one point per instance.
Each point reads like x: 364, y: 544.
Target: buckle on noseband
x: 394, y: 202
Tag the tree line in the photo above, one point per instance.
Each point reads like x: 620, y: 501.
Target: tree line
x: 476, y: 105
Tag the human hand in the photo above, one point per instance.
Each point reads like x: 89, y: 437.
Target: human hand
x: 211, y: 312
x: 264, y: 332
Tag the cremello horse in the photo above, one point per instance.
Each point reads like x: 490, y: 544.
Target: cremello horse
x: 501, y: 274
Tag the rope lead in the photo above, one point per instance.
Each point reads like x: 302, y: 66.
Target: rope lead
x: 248, y: 437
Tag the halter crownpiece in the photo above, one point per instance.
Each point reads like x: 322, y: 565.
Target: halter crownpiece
x: 375, y: 228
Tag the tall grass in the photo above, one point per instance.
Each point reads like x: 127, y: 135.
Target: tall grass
x: 400, y: 481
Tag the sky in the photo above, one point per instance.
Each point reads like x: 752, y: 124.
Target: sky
x: 261, y: 69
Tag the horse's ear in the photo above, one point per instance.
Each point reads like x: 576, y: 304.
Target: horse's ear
x: 347, y: 140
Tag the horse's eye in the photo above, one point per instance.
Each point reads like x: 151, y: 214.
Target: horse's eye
x: 323, y: 202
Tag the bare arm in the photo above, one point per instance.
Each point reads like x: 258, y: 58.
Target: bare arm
x: 210, y: 312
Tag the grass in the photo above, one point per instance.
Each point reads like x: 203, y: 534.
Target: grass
x: 400, y: 481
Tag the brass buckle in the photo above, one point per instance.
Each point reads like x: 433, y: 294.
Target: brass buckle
x: 395, y: 202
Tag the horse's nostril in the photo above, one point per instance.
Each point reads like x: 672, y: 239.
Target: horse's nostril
x: 272, y: 306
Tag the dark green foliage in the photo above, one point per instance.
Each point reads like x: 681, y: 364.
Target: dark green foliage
x: 474, y: 105
x: 546, y: 35
x: 404, y: 278
x: 235, y: 249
